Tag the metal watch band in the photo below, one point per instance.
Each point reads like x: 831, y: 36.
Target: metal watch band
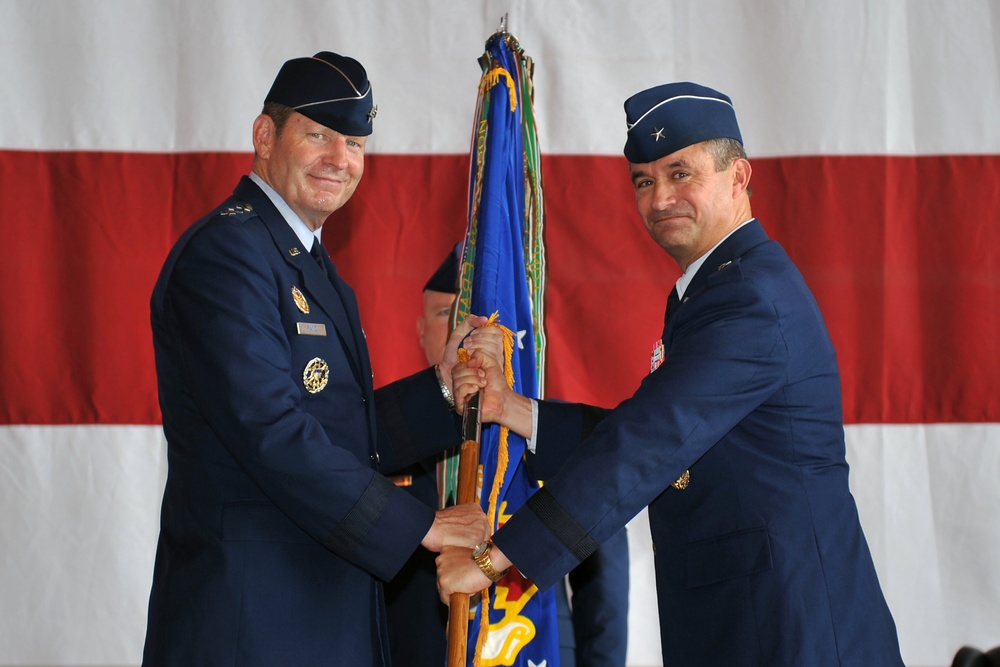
x: 448, y: 396
x: 486, y: 565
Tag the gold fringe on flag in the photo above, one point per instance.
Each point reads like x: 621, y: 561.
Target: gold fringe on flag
x: 503, y: 458
x: 492, y: 78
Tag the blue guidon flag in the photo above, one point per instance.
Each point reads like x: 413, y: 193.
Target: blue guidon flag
x: 503, y: 272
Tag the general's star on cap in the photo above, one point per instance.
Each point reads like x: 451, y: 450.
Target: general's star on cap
x: 682, y: 114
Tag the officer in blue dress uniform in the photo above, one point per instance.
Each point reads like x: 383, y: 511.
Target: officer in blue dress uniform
x: 735, y: 440
x: 278, y: 525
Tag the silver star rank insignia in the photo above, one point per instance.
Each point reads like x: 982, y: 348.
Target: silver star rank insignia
x: 657, y: 134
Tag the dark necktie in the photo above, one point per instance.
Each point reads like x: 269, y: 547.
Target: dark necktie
x: 317, y: 254
x: 672, y: 302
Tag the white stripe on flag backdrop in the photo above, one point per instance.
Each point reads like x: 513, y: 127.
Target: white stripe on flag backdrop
x: 873, y: 128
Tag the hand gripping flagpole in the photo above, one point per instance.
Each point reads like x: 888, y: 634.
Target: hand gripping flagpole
x: 468, y: 472
x: 503, y: 272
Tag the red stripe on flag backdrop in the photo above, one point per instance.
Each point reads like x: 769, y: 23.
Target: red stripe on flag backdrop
x: 901, y: 252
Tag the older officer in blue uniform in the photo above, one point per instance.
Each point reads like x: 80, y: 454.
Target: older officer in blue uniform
x: 735, y: 440
x: 277, y: 527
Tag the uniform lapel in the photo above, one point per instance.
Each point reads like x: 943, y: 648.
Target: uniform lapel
x: 350, y: 304
x: 343, y: 313
x: 730, y: 250
x: 359, y: 346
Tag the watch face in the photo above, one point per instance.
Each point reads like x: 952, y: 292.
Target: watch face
x: 480, y: 549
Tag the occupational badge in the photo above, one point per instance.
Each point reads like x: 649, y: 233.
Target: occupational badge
x: 300, y: 300
x: 659, y: 354
x: 315, y: 375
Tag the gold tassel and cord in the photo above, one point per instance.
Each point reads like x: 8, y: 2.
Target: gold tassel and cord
x: 503, y: 458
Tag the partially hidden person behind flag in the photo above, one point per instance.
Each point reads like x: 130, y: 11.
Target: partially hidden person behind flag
x: 593, y: 634
x: 278, y: 526
x: 418, y: 622
x: 735, y: 440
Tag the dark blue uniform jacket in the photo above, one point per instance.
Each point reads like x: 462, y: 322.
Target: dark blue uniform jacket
x: 276, y: 526
x: 761, y: 560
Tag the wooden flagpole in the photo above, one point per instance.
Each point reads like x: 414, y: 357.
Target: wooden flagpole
x: 468, y: 473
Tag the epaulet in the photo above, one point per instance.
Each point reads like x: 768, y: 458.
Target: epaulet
x: 730, y: 270
x: 237, y: 210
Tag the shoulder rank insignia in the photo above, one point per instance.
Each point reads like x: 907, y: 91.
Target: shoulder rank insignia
x: 236, y: 210
x: 682, y: 482
x: 315, y: 375
x: 300, y: 300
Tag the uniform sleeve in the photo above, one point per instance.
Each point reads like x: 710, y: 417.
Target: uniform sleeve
x: 725, y: 358
x: 561, y: 428
x: 414, y: 421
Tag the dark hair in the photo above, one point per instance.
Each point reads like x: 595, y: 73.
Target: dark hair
x: 279, y: 113
x: 725, y: 151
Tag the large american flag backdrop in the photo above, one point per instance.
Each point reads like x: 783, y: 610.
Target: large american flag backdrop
x: 874, y: 132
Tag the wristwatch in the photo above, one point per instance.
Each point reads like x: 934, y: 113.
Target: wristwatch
x: 481, y: 554
x: 449, y: 397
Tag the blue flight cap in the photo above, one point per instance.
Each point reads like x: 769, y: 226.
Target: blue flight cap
x: 329, y: 88
x: 667, y: 118
x: 445, y: 278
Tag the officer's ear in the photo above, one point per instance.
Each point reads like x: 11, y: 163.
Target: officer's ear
x: 265, y: 133
x: 741, y: 176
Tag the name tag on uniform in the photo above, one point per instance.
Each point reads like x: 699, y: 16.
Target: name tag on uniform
x: 311, y: 328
